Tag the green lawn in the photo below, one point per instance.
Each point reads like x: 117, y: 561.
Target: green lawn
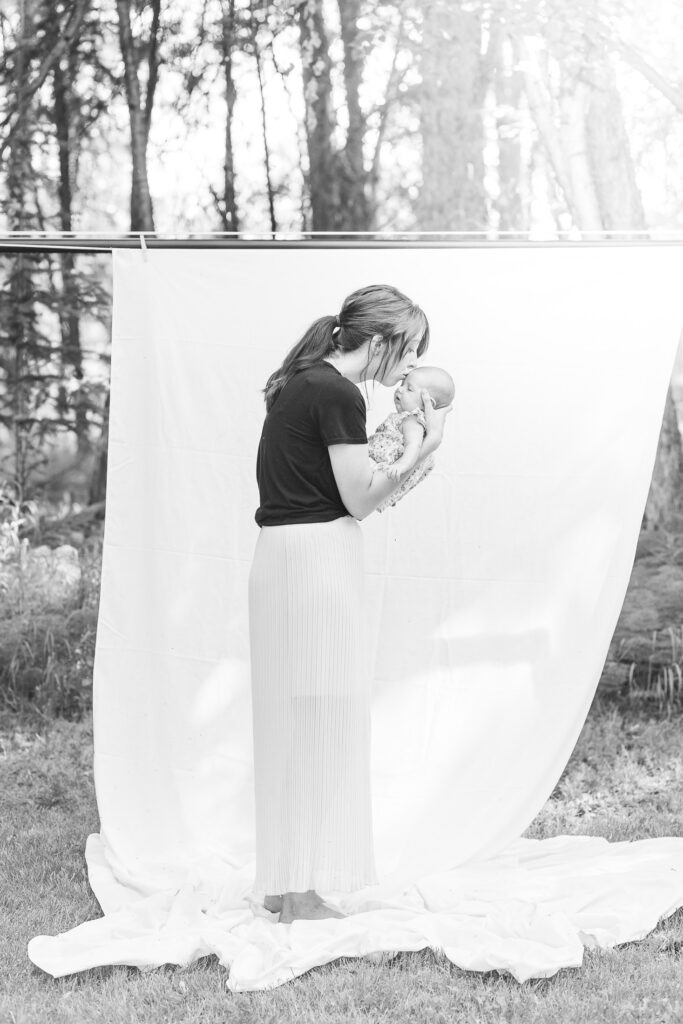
x: 623, y: 782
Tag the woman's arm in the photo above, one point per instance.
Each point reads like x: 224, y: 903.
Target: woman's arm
x: 360, y: 489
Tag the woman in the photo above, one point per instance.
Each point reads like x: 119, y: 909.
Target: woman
x: 310, y: 699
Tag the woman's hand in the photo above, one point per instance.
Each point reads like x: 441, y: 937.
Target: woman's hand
x: 434, y: 418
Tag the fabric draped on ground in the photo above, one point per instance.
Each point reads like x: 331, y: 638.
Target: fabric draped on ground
x: 528, y: 911
x: 491, y: 595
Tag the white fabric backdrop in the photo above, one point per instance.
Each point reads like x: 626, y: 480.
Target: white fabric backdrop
x: 492, y: 593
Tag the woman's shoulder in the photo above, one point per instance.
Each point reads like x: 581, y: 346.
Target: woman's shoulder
x: 326, y: 375
x: 328, y: 381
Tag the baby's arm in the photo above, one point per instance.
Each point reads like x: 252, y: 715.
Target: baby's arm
x: 413, y: 436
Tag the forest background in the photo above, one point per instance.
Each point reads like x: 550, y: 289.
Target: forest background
x: 523, y: 119
x: 493, y: 118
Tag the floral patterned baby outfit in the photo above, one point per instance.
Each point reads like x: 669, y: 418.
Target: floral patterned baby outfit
x: 387, y: 444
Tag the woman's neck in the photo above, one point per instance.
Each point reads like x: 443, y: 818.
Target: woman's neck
x: 349, y: 364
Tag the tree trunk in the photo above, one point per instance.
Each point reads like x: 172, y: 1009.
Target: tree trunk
x: 353, y: 199
x: 512, y: 216
x: 540, y: 100
x: 609, y: 152
x: 317, y: 81
x: 21, y: 313
x: 270, y: 192
x: 141, y: 212
x: 390, y: 97
x: 229, y: 202
x: 68, y: 309
x: 98, y: 481
x: 451, y: 123
x: 561, y: 123
x: 574, y: 100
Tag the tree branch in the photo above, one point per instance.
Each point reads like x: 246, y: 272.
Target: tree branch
x: 153, y: 64
x: 393, y: 81
x: 540, y: 108
x: 637, y: 61
x: 65, y: 41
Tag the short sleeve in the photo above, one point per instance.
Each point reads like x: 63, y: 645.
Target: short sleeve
x: 339, y: 413
x: 420, y: 417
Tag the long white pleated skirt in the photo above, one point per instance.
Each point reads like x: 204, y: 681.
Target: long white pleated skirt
x: 311, y: 709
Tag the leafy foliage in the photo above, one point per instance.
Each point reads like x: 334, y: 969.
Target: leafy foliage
x: 46, y: 649
x: 645, y: 660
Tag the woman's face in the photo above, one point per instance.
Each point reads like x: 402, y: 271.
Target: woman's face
x: 393, y: 374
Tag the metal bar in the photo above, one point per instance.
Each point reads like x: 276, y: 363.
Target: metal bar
x: 255, y: 233
x: 84, y: 244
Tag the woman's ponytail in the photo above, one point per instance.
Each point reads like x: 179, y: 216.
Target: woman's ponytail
x: 317, y: 342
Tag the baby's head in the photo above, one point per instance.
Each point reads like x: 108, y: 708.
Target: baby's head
x: 438, y: 383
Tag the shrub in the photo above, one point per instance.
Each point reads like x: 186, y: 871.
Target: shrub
x: 48, y: 623
x: 645, y: 661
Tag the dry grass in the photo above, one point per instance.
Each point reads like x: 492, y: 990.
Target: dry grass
x: 623, y: 782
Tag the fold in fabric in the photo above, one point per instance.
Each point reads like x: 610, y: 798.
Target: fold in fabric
x: 529, y: 911
x: 491, y: 593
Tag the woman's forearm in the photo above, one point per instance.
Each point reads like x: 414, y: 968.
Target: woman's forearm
x: 380, y: 486
x: 429, y: 446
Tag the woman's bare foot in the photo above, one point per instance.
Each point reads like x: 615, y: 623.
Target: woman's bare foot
x: 307, y: 906
x: 273, y: 904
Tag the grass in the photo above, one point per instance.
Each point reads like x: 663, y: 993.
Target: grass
x: 622, y: 782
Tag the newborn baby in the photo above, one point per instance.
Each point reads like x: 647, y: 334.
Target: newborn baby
x: 395, y: 445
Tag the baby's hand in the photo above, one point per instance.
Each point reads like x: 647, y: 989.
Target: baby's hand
x: 394, y: 471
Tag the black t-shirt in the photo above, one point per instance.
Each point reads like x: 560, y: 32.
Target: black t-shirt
x: 317, y: 407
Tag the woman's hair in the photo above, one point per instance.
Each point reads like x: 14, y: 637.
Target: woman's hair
x: 377, y: 309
